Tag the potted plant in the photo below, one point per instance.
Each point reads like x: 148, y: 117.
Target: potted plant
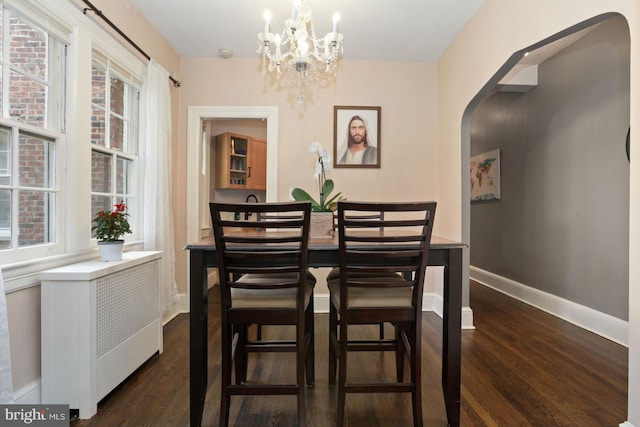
x: 109, y: 228
x: 323, y: 208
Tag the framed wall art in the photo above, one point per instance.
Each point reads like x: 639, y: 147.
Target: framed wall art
x: 356, y: 137
x: 485, y: 176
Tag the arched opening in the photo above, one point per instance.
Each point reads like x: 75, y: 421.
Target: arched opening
x: 558, y: 238
x: 557, y: 111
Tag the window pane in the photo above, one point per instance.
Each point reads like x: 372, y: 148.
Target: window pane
x: 28, y: 48
x: 35, y: 208
x: 99, y: 203
x: 114, y: 127
x: 36, y: 162
x: 98, y: 87
x: 116, y: 136
x: 124, y: 173
x: 100, y: 172
x: 98, y: 127
x: 117, y: 96
x: 1, y: 80
x: 32, y: 94
x: 27, y: 99
x: 131, y: 141
x: 1, y: 32
x: 5, y: 219
x: 5, y: 156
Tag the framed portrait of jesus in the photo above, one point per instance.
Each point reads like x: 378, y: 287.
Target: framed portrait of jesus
x: 356, y: 137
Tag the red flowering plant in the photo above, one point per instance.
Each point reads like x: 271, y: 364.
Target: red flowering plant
x: 110, y: 226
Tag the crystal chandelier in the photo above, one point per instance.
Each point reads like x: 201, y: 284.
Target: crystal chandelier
x: 296, y: 53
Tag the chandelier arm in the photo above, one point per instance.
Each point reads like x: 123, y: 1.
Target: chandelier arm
x: 307, y: 60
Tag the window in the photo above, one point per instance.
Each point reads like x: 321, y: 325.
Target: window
x: 5, y: 194
x: 31, y: 129
x: 114, y: 137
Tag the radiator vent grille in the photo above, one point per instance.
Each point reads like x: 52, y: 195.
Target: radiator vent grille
x: 127, y: 301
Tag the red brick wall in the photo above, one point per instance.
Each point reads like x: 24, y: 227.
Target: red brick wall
x: 28, y: 52
x: 102, y: 164
x: 28, y: 104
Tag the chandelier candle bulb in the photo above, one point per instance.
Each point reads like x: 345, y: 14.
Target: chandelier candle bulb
x: 267, y: 20
x: 336, y: 20
x: 296, y: 9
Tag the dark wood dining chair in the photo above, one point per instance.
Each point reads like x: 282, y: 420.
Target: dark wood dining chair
x: 334, y: 273
x: 366, y: 293
x: 263, y: 280
x: 268, y: 216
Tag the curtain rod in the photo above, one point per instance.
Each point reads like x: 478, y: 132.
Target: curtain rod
x: 98, y: 12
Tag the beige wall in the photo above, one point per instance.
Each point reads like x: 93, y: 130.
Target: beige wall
x: 499, y: 29
x: 406, y: 93
x: 422, y: 112
x: 23, y: 314
x: 130, y: 20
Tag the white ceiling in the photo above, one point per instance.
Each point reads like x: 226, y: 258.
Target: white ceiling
x: 379, y: 30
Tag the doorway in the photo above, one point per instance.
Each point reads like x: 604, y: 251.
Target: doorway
x: 214, y: 136
x: 564, y: 210
x: 197, y: 161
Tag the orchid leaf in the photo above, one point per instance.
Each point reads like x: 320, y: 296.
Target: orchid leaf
x: 327, y: 188
x: 332, y: 200
x: 300, y: 195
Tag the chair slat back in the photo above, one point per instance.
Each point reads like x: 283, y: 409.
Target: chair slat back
x: 277, y: 250
x: 396, y: 241
x: 376, y: 216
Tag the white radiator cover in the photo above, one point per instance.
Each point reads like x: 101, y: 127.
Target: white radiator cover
x: 100, y: 322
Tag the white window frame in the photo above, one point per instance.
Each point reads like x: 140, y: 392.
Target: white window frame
x: 83, y: 36
x: 53, y: 131
x: 128, y: 152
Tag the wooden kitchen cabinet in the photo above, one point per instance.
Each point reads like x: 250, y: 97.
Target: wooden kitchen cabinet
x: 241, y: 162
x: 257, y: 164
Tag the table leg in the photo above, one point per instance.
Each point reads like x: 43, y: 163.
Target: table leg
x: 451, y: 335
x: 197, y: 335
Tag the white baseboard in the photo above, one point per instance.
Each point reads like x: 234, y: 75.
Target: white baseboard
x: 430, y: 302
x: 605, y: 325
x: 181, y: 305
x: 467, y: 318
x: 626, y: 424
x: 433, y: 302
x: 30, y: 394
x: 321, y: 303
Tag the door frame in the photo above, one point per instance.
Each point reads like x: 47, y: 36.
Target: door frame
x: 195, y: 116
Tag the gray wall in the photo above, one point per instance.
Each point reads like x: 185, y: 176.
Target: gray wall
x: 561, y: 225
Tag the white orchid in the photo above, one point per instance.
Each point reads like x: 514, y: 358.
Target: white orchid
x: 325, y: 186
x: 324, y: 159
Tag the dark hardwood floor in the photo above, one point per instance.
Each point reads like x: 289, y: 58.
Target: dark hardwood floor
x: 520, y: 367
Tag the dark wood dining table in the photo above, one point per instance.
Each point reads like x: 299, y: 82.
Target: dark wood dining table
x: 323, y: 252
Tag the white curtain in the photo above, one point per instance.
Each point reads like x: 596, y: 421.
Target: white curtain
x: 6, y: 387
x: 158, y: 217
